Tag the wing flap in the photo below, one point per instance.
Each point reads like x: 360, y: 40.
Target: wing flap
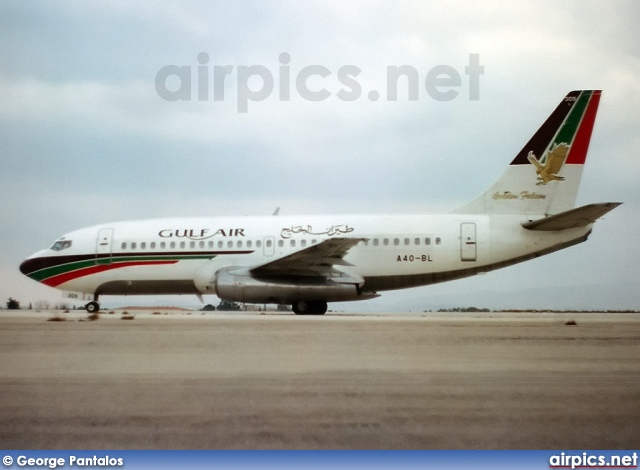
x: 317, y: 260
x: 579, y: 217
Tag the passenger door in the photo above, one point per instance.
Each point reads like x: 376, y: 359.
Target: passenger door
x: 468, y: 247
x: 103, y: 246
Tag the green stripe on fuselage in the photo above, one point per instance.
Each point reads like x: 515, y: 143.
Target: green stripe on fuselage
x: 46, y: 273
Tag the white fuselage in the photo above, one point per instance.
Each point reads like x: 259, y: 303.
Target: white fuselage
x: 183, y: 255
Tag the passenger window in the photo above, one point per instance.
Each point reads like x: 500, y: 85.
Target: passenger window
x: 210, y: 243
x: 152, y: 245
x: 163, y: 245
x: 280, y: 243
x: 427, y: 241
x: 417, y: 241
x: 230, y: 244
x: 303, y: 243
x: 268, y: 243
x: 314, y: 241
x: 293, y: 243
x: 220, y: 244
x: 124, y: 245
x: 396, y: 241
x: 182, y: 244
x: 143, y: 245
x: 385, y: 242
x: 437, y: 240
x: 249, y: 243
x: 172, y: 244
x: 201, y: 244
x: 259, y: 244
x: 133, y: 245
x: 375, y: 242
x: 192, y: 244
x: 239, y: 243
x: 407, y: 241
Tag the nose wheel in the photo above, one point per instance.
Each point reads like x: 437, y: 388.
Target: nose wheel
x: 92, y: 307
x: 309, y: 307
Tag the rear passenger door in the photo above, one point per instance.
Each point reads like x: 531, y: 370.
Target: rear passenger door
x: 468, y: 247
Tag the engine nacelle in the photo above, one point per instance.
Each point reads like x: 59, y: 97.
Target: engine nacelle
x: 242, y: 287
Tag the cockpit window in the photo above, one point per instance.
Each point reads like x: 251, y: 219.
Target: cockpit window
x: 61, y: 245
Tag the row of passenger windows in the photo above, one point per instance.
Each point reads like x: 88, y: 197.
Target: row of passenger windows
x: 192, y: 244
x: 249, y: 244
x: 405, y: 241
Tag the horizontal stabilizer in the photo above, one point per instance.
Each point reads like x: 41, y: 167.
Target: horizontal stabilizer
x: 579, y: 217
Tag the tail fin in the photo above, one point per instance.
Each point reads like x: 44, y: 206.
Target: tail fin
x: 544, y: 176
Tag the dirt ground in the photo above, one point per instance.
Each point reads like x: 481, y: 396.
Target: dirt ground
x: 250, y: 381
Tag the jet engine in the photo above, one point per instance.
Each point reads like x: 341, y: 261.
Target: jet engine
x: 242, y: 286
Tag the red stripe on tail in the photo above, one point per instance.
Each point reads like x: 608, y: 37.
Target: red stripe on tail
x: 578, y: 152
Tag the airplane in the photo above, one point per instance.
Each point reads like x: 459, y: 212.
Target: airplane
x: 307, y: 261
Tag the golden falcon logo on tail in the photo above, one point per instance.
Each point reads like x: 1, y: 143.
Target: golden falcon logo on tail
x: 553, y: 161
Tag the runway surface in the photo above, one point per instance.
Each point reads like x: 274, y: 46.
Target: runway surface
x: 251, y: 381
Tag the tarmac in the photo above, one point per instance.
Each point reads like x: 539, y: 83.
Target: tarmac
x: 191, y: 380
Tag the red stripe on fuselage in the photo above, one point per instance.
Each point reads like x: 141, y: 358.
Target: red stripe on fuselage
x: 55, y: 281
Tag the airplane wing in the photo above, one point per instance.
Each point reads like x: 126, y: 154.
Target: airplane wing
x: 317, y: 260
x: 580, y: 217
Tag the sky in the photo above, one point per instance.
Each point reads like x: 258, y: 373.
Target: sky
x: 88, y: 135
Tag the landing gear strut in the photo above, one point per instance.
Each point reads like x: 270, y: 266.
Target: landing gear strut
x: 309, y: 307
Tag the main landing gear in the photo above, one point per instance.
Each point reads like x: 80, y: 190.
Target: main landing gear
x: 93, y: 306
x: 309, y: 307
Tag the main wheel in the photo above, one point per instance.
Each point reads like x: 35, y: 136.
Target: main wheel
x: 309, y: 307
x: 300, y: 308
x: 319, y: 307
x: 92, y: 307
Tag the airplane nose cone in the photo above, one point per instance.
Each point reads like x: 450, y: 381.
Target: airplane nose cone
x: 30, y: 265
x: 24, y: 266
